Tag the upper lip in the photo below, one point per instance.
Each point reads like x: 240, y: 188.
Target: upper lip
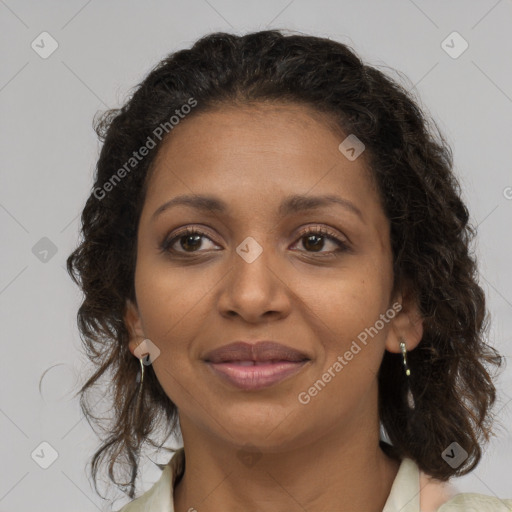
x: 260, y: 351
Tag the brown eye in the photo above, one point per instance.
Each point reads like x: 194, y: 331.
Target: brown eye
x: 314, y: 239
x: 189, y: 240
x: 313, y: 242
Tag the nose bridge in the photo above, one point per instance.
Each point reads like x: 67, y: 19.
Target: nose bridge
x: 256, y: 229
x: 253, y: 287
x: 252, y: 261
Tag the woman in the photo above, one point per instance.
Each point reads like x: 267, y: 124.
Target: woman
x: 276, y: 265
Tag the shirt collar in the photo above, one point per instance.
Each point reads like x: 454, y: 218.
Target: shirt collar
x: 404, y: 495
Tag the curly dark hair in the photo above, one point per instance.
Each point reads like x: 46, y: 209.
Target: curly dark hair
x: 411, y: 164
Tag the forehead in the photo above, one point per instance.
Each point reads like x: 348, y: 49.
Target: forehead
x: 231, y: 146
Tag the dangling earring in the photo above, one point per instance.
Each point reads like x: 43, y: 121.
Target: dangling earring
x: 410, y: 397
x: 140, y: 380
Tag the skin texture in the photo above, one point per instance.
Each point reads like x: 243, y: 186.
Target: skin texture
x: 315, y: 457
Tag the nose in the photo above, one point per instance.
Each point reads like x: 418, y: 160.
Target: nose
x: 255, y: 288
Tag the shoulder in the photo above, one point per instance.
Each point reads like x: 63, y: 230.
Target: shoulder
x: 145, y: 501
x: 133, y: 506
x: 473, y: 502
x: 438, y: 496
x: 160, y: 495
x: 155, y: 498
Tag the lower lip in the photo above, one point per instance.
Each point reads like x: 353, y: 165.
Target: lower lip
x: 256, y: 376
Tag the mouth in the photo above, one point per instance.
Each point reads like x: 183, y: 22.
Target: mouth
x: 252, y: 375
x: 255, y: 366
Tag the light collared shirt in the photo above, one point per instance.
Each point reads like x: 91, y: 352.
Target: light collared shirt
x: 412, y: 491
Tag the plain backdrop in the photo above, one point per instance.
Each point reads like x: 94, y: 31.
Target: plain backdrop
x: 48, y: 151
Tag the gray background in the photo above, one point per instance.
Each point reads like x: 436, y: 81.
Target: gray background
x: 48, y: 151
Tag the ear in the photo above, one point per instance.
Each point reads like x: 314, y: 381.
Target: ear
x: 407, y: 325
x: 134, y: 326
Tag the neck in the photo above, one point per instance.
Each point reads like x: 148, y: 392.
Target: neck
x: 343, y: 471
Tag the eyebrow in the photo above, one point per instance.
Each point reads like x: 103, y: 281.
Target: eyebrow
x: 291, y: 204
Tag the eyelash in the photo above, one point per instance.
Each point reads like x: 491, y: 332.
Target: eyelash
x: 166, y: 245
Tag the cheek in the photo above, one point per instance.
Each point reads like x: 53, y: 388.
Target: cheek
x: 348, y: 321
x: 170, y: 301
x: 172, y: 315
x: 350, y: 302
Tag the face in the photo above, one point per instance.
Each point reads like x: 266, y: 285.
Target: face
x: 316, y: 279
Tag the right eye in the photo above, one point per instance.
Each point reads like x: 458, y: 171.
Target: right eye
x: 188, y: 237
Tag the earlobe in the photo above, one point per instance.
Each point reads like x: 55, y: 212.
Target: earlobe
x: 407, y: 326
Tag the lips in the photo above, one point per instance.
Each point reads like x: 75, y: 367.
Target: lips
x: 253, y: 367
x: 260, y: 352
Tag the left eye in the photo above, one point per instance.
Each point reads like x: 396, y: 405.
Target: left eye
x: 314, y: 241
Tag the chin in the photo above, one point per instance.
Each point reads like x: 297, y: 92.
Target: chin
x: 270, y: 428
